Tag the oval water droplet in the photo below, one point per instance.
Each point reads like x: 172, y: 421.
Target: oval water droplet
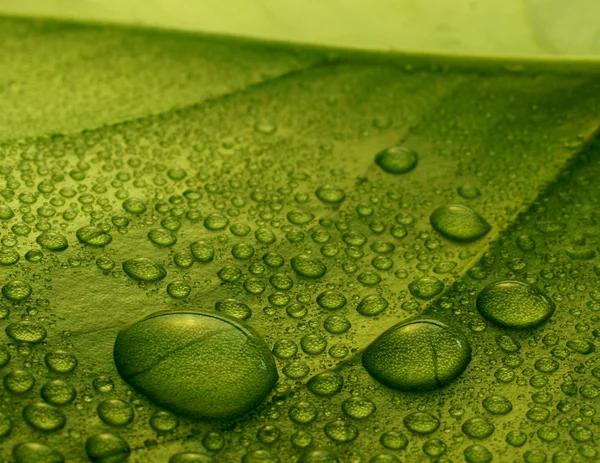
x: 417, y: 355
x: 307, y: 266
x: 330, y: 194
x: 397, y: 160
x: 144, y: 269
x: 513, y: 304
x: 459, y: 223
x: 93, y: 236
x: 199, y: 364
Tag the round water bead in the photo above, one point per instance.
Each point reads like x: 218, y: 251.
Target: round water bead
x: 421, y: 422
x: 205, y: 365
x: 60, y: 361
x: 115, y: 412
x: 469, y: 191
x: 163, y: 421
x: 330, y: 194
x: 478, y: 428
x: 9, y: 257
x: 58, y: 392
x: 497, y: 405
x: 107, y: 448
x: 44, y: 417
x: 372, y: 305
x: 16, y: 290
x: 18, y: 381
x: 340, y: 431
x: 52, y: 241
x: 93, y: 236
x: 459, y: 223
x: 397, y: 160
x: 33, y: 452
x: 233, y: 308
x: 358, y: 407
x: 477, y: 454
x: 326, y: 384
x: 26, y: 332
x: 216, y: 221
x: 417, y: 355
x: 144, y: 269
x: 513, y: 304
x: 178, y: 289
x: 307, y: 266
x: 303, y: 413
x: 426, y: 287
x: 202, y: 251
x: 393, y: 440
x: 331, y: 300
x: 336, y: 324
x: 162, y: 237
x: 134, y: 206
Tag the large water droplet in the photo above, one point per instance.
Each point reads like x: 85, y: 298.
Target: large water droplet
x: 144, y: 269
x: 33, y: 452
x: 107, y: 448
x: 307, y: 266
x: 417, y: 355
x: 421, y: 422
x: 330, y: 194
x: 93, y: 236
x: 514, y: 304
x: 459, y: 223
x: 205, y: 365
x: 397, y: 160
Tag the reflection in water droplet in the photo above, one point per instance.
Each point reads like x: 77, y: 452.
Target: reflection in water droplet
x: 513, y: 304
x: 397, y: 160
x: 196, y: 363
x: 417, y: 355
x: 459, y: 223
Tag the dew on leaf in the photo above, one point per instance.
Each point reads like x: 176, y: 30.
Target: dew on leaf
x: 426, y: 287
x: 58, y: 392
x: 397, y: 160
x: 199, y: 364
x: 326, y: 384
x: 330, y: 194
x: 34, y: 452
x: 162, y: 237
x: 459, y: 223
x: 115, y: 412
x: 417, y: 355
x: 16, y: 290
x: 26, y: 332
x: 44, y: 417
x: 358, y: 407
x: 372, y: 305
x: 513, y: 304
x: 233, y: 308
x: 216, y: 221
x: 421, y: 422
x: 93, y: 236
x: 307, y: 266
x: 331, y: 300
x: 107, y: 448
x: 144, y: 269
x: 60, y: 362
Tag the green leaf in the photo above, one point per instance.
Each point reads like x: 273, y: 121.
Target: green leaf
x: 198, y: 146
